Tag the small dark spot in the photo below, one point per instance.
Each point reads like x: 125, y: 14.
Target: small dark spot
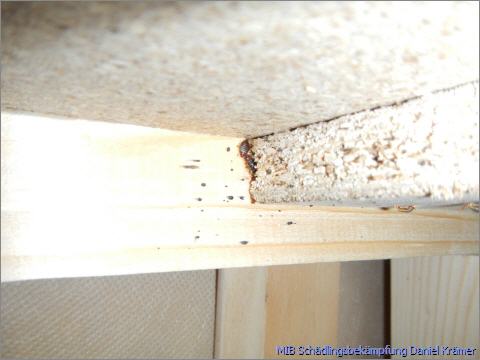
x: 231, y: 169
x: 203, y: 184
x: 244, y: 242
x: 279, y: 210
x: 260, y: 215
x: 241, y: 197
x: 384, y: 208
x: 196, y: 160
x: 62, y: 26
x: 190, y: 166
x: 242, y: 179
x: 310, y: 205
x: 269, y: 171
x: 226, y: 186
x: 197, y: 237
x: 230, y: 197
x: 201, y: 210
x: 290, y: 223
x: 199, y: 199
x: 228, y: 149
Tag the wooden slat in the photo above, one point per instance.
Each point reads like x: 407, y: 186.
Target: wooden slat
x: 302, y: 306
x: 82, y: 198
x: 240, y: 319
x: 261, y: 308
x: 435, y: 301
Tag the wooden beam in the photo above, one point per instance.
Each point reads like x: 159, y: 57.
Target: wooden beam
x: 435, y: 301
x: 82, y: 198
x: 329, y: 303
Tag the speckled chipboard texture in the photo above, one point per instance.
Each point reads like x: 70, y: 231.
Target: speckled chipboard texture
x: 231, y: 68
x: 422, y: 151
x: 168, y: 315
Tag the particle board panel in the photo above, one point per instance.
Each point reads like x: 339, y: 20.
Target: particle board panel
x: 422, y: 152
x: 235, y: 68
x: 435, y: 301
x: 121, y: 317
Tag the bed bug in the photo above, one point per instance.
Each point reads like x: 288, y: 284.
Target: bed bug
x: 245, y: 154
x: 406, y: 209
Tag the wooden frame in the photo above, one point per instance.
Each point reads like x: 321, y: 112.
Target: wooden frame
x: 83, y: 198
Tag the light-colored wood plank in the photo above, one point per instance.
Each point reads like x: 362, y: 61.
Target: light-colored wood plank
x: 240, y: 313
x: 87, y: 198
x: 302, y: 306
x: 321, y: 304
x: 435, y: 301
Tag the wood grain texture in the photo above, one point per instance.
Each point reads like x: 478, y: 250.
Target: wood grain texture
x: 240, y: 313
x: 302, y: 306
x: 435, y: 301
x: 316, y: 304
x: 85, y: 198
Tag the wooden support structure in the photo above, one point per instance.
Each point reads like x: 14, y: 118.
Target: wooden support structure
x: 82, y: 198
x: 338, y: 304
x: 435, y: 302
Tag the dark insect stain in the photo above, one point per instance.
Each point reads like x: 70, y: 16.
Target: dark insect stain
x: 62, y: 26
x: 244, y: 242
x: 203, y: 184
x: 230, y: 197
x: 228, y: 148
x: 290, y: 223
x: 190, y: 166
x: 310, y: 205
x: 199, y: 199
x: 241, y: 197
x: 384, y: 208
